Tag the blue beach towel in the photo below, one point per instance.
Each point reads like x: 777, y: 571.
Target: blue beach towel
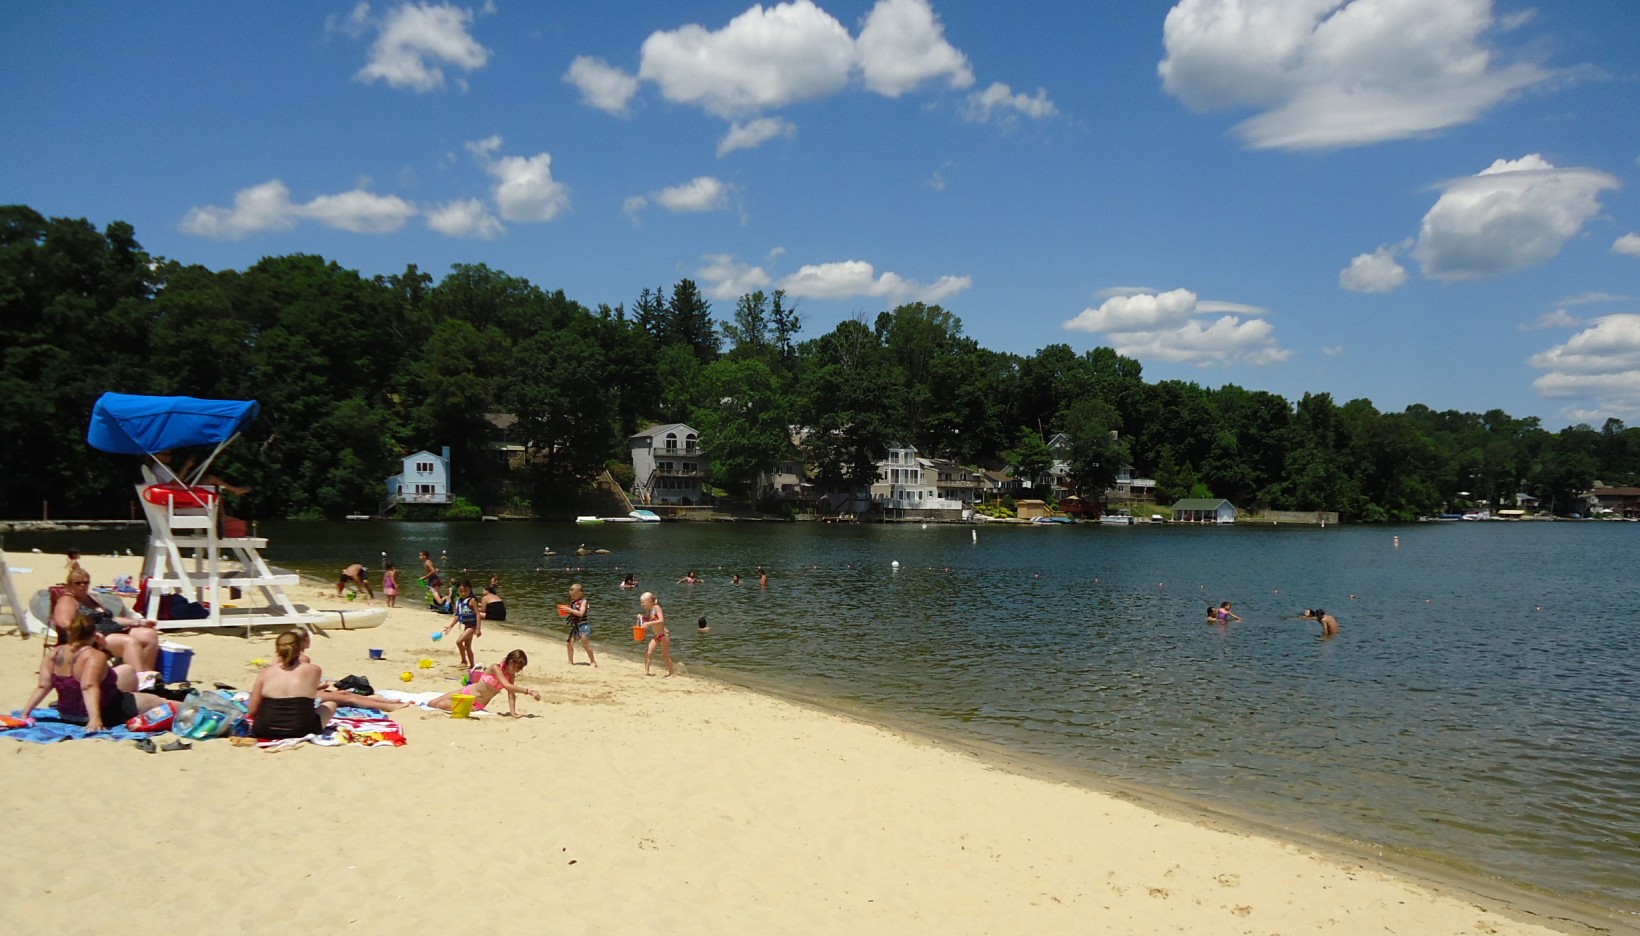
x: 48, y: 729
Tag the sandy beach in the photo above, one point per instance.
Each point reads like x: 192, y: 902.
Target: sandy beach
x: 636, y: 805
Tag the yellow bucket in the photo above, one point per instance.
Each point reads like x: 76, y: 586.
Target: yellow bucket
x: 427, y: 663
x: 461, y: 705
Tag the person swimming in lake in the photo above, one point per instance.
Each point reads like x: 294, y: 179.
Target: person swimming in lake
x: 631, y: 581
x: 1226, y: 615
x: 1329, y: 624
x: 690, y: 579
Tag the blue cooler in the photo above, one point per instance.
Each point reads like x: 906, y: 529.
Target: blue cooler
x: 174, y: 660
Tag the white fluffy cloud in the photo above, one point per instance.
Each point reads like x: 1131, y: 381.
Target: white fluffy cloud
x: 1559, y: 318
x: 1597, y: 370
x: 1513, y: 214
x: 902, y: 45
x: 267, y: 207
x: 414, y: 40
x: 1338, y: 73
x: 999, y: 102
x: 850, y: 279
x: 1168, y: 326
x: 753, y: 133
x: 524, y: 187
x: 1138, y: 312
x: 1628, y: 244
x: 602, y: 85
x: 770, y: 57
x: 464, y: 217
x: 764, y: 58
x: 728, y: 278
x: 702, y: 193
x: 1376, y: 272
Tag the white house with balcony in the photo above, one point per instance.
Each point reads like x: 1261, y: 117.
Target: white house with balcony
x: 668, y: 466
x: 908, y: 486
x: 425, y: 479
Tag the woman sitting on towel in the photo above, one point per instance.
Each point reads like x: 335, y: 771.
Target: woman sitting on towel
x: 89, y: 691
x: 133, y: 639
x: 485, y: 683
x: 285, y: 700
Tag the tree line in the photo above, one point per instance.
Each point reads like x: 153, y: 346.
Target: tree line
x: 354, y: 372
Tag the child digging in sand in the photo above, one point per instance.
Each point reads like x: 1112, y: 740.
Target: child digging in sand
x: 485, y: 683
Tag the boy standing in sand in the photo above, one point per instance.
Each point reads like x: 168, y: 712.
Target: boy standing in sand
x: 580, y: 624
x: 653, y: 620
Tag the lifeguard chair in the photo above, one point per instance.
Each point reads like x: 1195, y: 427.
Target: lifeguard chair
x: 185, y: 514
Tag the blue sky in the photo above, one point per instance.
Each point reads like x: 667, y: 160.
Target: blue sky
x: 1413, y: 201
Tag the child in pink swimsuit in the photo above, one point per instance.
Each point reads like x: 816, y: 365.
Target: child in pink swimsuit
x: 390, y: 585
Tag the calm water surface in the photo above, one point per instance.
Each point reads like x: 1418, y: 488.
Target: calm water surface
x: 1479, y: 707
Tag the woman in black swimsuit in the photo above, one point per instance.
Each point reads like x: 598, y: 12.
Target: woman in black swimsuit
x: 284, y: 701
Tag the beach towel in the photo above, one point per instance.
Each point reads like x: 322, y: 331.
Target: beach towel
x: 368, y: 729
x: 369, y: 732
x: 47, y: 729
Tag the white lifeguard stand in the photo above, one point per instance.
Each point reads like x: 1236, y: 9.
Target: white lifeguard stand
x: 183, y: 514
x: 187, y: 517
x: 12, y: 607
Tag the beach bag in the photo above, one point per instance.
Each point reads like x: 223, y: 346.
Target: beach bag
x: 206, y: 715
x: 355, y: 684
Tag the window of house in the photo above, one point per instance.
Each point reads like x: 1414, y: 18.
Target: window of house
x: 424, y: 467
x: 671, y: 441
x: 689, y: 442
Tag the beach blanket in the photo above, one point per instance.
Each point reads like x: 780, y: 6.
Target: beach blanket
x: 368, y: 729
x: 48, y: 729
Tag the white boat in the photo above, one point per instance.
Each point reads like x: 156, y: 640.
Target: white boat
x: 589, y: 519
x: 352, y: 618
x: 1120, y: 518
x: 645, y: 516
x: 617, y: 519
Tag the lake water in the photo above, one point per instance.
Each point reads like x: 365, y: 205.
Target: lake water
x: 1479, y: 708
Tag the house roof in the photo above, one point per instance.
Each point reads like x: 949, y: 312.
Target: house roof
x: 419, y: 454
x: 1202, y: 503
x: 655, y: 432
x: 501, y: 420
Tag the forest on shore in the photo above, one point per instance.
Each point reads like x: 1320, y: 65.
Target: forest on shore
x: 354, y: 372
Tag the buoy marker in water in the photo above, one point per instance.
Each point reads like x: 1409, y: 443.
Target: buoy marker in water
x: 894, y: 565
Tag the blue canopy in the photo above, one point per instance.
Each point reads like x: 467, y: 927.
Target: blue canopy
x: 128, y: 424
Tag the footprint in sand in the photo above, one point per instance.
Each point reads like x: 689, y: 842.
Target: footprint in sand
x: 1229, y: 880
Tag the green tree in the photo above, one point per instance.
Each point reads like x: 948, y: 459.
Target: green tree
x: 1095, y: 455
x: 746, y: 422
x: 1030, y: 458
x: 690, y: 322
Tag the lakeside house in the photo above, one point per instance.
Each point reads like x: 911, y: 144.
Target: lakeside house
x: 669, y: 466
x: 1204, y: 510
x: 1619, y: 501
x: 424, y: 478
